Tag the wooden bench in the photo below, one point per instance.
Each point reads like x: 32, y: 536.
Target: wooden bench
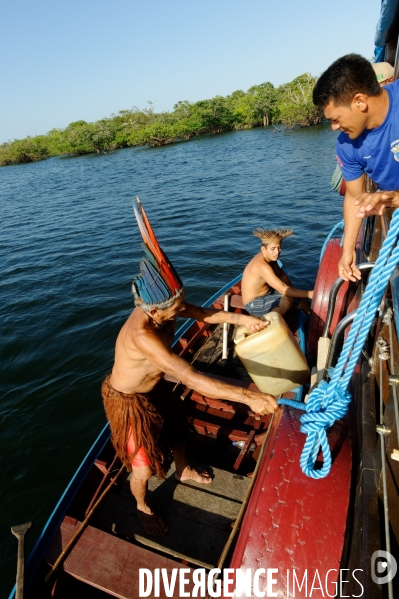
x: 235, y: 301
x: 109, y: 563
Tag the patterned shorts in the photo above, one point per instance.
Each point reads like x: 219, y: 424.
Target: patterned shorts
x: 263, y: 304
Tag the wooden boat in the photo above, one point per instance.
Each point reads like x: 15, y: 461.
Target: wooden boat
x: 260, y: 511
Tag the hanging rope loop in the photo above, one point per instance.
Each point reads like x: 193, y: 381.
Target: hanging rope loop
x: 339, y: 225
x: 329, y: 401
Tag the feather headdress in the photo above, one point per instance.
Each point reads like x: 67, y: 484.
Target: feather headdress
x: 158, y: 284
x: 272, y: 235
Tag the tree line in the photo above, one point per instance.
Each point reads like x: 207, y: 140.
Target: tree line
x: 289, y: 105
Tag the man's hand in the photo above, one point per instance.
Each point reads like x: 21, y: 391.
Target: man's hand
x: 263, y: 403
x: 310, y: 294
x: 347, y: 268
x: 374, y: 203
x: 254, y: 324
x: 304, y: 305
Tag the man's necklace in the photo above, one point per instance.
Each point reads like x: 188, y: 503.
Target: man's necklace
x: 156, y: 324
x: 167, y: 326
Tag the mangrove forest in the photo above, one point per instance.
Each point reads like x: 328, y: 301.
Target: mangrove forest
x: 289, y: 105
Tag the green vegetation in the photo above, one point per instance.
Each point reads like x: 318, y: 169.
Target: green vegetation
x: 262, y: 105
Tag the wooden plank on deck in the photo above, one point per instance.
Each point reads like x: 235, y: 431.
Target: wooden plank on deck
x: 225, y: 484
x: 107, y: 562
x: 195, y: 541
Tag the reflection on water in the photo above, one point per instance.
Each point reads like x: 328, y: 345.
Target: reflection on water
x: 70, y: 247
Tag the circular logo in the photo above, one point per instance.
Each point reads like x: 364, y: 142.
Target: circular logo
x: 395, y: 149
x: 383, y: 570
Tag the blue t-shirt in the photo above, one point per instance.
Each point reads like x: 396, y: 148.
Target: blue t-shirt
x: 375, y: 151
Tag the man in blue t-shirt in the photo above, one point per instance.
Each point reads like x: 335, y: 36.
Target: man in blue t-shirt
x: 368, y: 117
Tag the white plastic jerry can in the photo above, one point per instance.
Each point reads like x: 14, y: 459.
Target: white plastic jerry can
x: 272, y: 357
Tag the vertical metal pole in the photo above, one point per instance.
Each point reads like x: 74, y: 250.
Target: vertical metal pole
x: 393, y: 373
x: 225, y: 326
x: 385, y: 502
x: 384, y: 355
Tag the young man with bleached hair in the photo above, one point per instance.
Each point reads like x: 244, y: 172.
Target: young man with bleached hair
x: 265, y: 286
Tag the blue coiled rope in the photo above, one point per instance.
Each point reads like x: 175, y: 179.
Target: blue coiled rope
x: 329, y: 401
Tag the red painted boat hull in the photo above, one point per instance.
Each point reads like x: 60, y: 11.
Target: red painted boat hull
x: 294, y: 522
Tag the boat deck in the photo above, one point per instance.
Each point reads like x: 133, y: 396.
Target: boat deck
x: 199, y: 517
x: 112, y: 549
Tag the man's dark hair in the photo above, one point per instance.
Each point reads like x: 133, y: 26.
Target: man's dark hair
x: 346, y: 77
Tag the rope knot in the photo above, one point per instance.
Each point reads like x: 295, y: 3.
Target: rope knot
x: 327, y: 403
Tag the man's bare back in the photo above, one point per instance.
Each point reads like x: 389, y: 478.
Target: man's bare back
x: 132, y: 371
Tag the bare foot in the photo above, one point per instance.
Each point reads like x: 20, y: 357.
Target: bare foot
x: 198, y: 475
x: 152, y: 524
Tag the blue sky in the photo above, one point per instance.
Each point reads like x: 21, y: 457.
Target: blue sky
x: 86, y: 59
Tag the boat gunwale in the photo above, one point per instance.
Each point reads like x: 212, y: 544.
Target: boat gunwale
x: 55, y: 519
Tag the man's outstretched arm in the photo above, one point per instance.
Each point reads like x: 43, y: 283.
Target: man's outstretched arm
x: 213, y: 316
x: 163, y: 358
x: 281, y: 282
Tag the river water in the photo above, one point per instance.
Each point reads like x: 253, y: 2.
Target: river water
x: 70, y: 247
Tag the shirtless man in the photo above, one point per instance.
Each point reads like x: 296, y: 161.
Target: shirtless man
x: 265, y: 286
x: 145, y: 417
